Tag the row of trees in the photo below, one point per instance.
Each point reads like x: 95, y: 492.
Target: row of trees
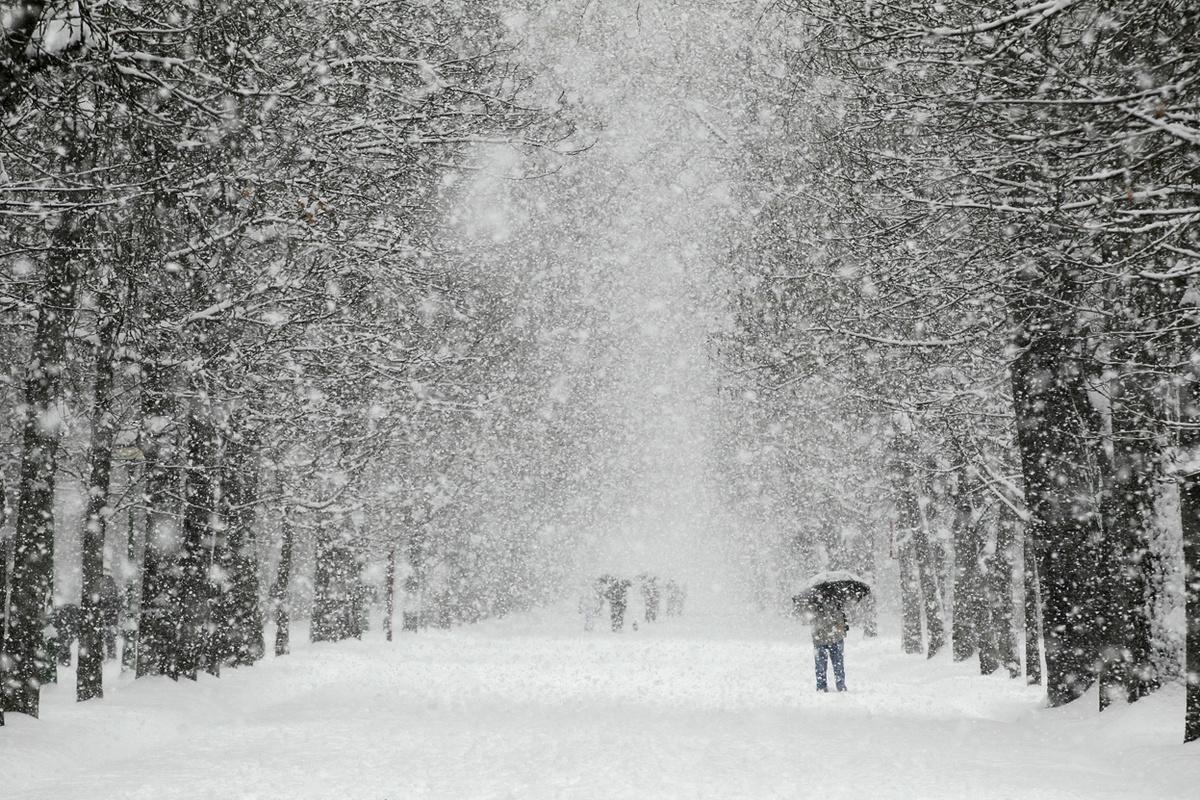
x: 233, y: 314
x: 979, y: 244
x: 230, y: 314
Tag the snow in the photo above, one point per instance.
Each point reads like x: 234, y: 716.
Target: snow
x: 57, y: 33
x: 832, y: 576
x: 531, y: 707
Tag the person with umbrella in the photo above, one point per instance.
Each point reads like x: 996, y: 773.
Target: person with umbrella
x: 822, y: 604
x: 615, y: 591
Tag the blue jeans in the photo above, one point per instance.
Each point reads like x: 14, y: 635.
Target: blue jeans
x: 836, y: 655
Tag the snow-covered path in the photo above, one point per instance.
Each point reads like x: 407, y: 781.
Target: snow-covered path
x: 530, y: 708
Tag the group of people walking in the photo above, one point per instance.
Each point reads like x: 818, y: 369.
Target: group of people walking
x: 822, y: 605
x: 614, y: 591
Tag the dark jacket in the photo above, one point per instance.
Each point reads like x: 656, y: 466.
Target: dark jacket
x: 828, y: 625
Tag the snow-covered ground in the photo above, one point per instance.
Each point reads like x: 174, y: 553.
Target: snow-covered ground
x: 532, y: 708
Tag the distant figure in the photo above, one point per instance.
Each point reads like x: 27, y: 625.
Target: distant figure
x: 410, y: 605
x: 591, y: 604
x: 829, y: 628
x: 650, y: 597
x: 615, y: 592
x: 676, y: 593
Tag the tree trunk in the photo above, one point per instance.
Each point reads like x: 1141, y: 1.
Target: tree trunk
x: 131, y: 646
x: 1189, y: 514
x: 1050, y: 404
x: 1000, y: 575
x: 1128, y: 509
x: 930, y: 596
x: 89, y: 677
x: 1189, y: 507
x: 968, y: 584
x: 910, y: 599
x: 907, y: 482
x: 157, y: 634
x: 390, y: 591
x: 916, y: 576
x: 4, y: 550
x: 279, y: 590
x: 193, y: 590
x: 989, y: 660
x: 870, y: 612
x: 416, y: 551
x: 870, y: 607
x: 237, y: 616
x: 1125, y: 671
x: 335, y: 581
x: 24, y: 661
x: 1033, y: 613
x: 323, y: 625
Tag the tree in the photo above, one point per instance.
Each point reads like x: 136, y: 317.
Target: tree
x: 100, y: 457
x: 1029, y: 125
x: 26, y: 661
x: 256, y: 178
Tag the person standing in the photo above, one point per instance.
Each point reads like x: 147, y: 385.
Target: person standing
x: 829, y: 628
x: 650, y: 597
x: 616, y: 593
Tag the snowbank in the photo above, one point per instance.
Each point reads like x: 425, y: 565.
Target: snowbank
x: 531, y: 707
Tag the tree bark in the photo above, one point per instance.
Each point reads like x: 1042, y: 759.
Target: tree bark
x: 237, y: 614
x: 23, y: 654
x: 130, y: 646
x: 1000, y: 575
x: 89, y: 677
x: 334, y: 584
x: 157, y: 634
x: 4, y: 551
x: 1189, y: 514
x: 279, y: 590
x: 910, y: 599
x: 870, y: 607
x: 416, y: 551
x: 915, y: 552
x: 1050, y: 404
x: 989, y: 660
x: 390, y: 590
x: 930, y: 596
x: 1033, y: 613
x: 323, y: 625
x: 968, y: 584
x: 193, y: 590
x: 1128, y: 507
x: 1189, y: 506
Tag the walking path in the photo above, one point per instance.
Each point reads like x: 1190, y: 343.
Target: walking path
x: 532, y: 708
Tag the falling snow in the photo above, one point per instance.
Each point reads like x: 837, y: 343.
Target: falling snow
x: 509, y: 399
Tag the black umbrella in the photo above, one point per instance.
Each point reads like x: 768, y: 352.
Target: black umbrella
x: 831, y: 589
